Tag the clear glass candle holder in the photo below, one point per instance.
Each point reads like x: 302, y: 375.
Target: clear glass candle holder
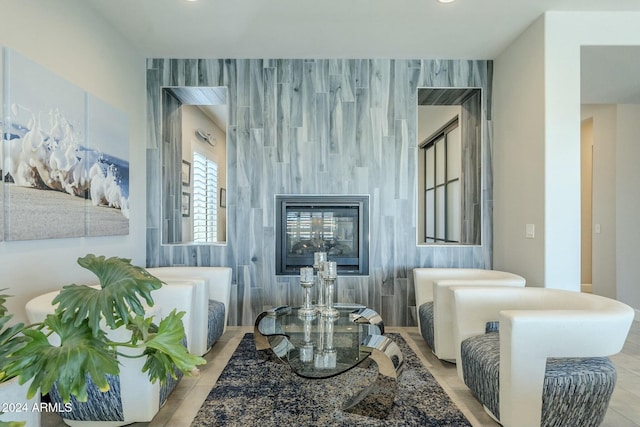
x: 331, y: 269
x: 329, y: 275
x: 330, y: 353
x: 319, y: 260
x: 307, y: 282
x: 306, y: 350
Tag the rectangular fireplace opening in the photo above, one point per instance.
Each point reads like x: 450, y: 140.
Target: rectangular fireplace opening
x: 335, y: 224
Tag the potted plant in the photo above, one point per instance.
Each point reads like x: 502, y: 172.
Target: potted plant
x: 80, y: 318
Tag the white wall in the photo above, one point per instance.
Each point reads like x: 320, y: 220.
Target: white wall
x: 518, y: 156
x: 604, y: 198
x: 69, y: 39
x: 563, y: 34
x: 628, y: 204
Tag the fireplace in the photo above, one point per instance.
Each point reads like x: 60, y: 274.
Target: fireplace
x: 335, y: 224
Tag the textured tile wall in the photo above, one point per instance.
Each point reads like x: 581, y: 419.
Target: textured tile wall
x: 334, y: 126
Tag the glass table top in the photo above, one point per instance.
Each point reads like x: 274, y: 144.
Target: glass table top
x: 320, y: 347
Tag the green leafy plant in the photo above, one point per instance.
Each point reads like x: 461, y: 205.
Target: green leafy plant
x: 85, y: 350
x: 11, y: 338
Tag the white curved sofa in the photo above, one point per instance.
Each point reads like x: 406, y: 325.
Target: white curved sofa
x: 132, y: 397
x: 436, y: 304
x: 536, y: 324
x: 212, y: 284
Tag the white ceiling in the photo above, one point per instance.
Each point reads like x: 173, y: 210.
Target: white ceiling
x: 465, y: 29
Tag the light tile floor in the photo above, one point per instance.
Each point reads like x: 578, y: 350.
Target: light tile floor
x: 183, y: 404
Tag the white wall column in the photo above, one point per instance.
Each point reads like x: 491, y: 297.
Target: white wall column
x: 564, y: 34
x: 627, y: 204
x: 519, y: 156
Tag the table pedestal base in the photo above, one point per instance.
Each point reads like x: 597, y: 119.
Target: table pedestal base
x: 376, y: 401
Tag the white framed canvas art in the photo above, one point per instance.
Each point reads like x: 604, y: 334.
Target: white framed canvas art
x: 66, y: 157
x: 2, y: 144
x: 107, y: 155
x: 44, y: 189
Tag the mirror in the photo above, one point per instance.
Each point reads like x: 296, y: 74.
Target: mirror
x: 194, y: 165
x: 449, y: 166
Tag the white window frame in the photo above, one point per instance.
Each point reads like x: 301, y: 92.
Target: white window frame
x: 205, y: 199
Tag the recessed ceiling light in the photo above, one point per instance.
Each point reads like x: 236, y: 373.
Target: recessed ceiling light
x: 446, y: 1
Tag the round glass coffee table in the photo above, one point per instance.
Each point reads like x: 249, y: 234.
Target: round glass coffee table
x: 319, y: 347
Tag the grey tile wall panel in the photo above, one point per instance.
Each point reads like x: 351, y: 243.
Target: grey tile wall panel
x: 257, y: 93
x: 270, y: 116
x: 308, y: 104
x: 400, y: 300
x: 233, y: 306
x: 312, y: 126
x: 284, y: 105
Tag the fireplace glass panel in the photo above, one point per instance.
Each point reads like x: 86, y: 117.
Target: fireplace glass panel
x: 317, y: 230
x: 334, y: 226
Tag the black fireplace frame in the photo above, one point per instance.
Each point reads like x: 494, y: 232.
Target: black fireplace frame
x: 361, y: 202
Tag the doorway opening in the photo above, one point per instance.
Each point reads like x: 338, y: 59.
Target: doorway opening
x: 586, y: 205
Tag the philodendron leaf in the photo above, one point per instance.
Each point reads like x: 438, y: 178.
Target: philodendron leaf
x: 80, y: 353
x: 165, y: 349
x: 141, y: 328
x: 3, y: 300
x: 122, y: 285
x: 11, y: 340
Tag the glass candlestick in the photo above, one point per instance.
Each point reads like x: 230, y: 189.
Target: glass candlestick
x: 330, y: 275
x: 307, y: 282
x: 330, y: 353
x: 318, y: 355
x: 320, y: 302
x: 306, y: 350
x: 331, y: 268
x: 319, y: 259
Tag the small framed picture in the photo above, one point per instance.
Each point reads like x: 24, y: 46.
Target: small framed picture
x: 186, y: 173
x: 186, y: 204
x: 223, y: 197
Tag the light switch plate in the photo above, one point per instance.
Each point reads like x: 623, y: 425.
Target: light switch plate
x: 530, y: 231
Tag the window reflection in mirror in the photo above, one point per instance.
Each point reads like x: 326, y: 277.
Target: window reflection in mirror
x: 449, y: 166
x: 194, y: 164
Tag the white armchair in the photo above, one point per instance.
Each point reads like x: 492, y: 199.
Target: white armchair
x: 434, y: 304
x: 538, y: 328
x: 186, y: 295
x: 212, y: 292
